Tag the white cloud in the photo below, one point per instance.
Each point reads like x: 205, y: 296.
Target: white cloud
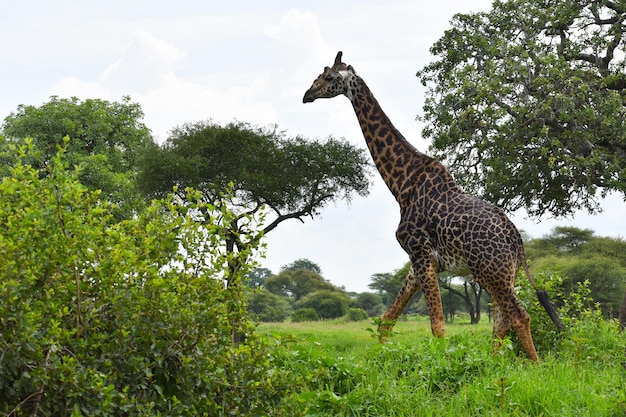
x: 148, y: 72
x: 75, y: 87
x: 182, y: 100
x: 296, y: 26
x: 147, y: 63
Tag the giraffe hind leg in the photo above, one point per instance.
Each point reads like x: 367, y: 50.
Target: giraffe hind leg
x: 509, y: 313
x: 501, y: 326
x: 521, y: 324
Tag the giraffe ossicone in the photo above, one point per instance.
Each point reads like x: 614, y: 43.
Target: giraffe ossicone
x: 441, y: 228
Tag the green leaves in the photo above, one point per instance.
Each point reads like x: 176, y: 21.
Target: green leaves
x: 105, y: 138
x: 143, y: 316
x: 291, y: 177
x: 525, y: 104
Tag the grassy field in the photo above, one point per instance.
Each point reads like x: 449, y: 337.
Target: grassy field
x: 348, y: 373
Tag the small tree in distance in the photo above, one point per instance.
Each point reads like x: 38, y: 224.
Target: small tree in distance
x: 298, y: 283
x: 305, y: 314
x: 303, y: 264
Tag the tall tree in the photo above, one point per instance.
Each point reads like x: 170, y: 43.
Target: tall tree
x: 527, y: 103
x: 289, y: 177
x: 105, y: 139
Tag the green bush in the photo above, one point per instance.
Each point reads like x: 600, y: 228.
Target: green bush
x: 106, y: 318
x: 267, y: 307
x: 356, y: 314
x: 328, y: 304
x: 575, y: 307
x: 304, y: 314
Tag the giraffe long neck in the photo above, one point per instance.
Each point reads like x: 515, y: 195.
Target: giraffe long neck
x: 391, y: 152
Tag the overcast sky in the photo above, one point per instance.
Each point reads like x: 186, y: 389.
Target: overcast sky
x: 252, y: 61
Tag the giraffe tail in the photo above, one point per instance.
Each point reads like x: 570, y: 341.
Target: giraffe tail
x: 544, y: 299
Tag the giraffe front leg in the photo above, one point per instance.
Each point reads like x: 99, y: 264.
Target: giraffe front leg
x: 409, y: 288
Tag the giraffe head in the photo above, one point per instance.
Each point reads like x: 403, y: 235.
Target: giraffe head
x: 330, y: 83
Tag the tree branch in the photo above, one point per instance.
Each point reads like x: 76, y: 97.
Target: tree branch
x: 305, y: 211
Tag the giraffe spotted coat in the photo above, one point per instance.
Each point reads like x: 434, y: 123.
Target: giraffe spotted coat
x: 441, y: 227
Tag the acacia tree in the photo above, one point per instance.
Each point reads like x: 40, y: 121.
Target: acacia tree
x: 289, y: 178
x: 526, y: 103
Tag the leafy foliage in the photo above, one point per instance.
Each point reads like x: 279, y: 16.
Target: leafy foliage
x: 257, y: 276
x: 582, y: 258
x: 106, y: 139
x: 370, y: 302
x: 305, y: 314
x: 267, y: 307
x: 303, y: 264
x: 526, y: 103
x: 292, y: 177
x: 356, y: 314
x: 298, y: 283
x: 327, y: 304
x: 576, y: 307
x: 99, y: 317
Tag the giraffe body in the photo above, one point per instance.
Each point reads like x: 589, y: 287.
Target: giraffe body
x: 441, y: 227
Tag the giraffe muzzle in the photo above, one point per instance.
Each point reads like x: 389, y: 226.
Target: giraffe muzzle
x: 309, y: 96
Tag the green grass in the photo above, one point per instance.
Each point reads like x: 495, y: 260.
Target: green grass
x: 346, y: 372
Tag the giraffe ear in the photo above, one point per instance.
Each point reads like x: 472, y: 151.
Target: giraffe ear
x: 338, y: 59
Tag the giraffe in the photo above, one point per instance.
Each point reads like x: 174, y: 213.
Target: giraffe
x: 441, y: 227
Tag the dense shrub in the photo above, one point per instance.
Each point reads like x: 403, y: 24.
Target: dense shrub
x: 106, y: 318
x: 267, y: 307
x: 304, y: 314
x: 575, y: 306
x: 356, y: 314
x: 328, y: 304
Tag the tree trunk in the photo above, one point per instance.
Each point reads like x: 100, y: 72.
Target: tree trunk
x: 468, y: 300
x: 477, y: 294
x: 470, y: 307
